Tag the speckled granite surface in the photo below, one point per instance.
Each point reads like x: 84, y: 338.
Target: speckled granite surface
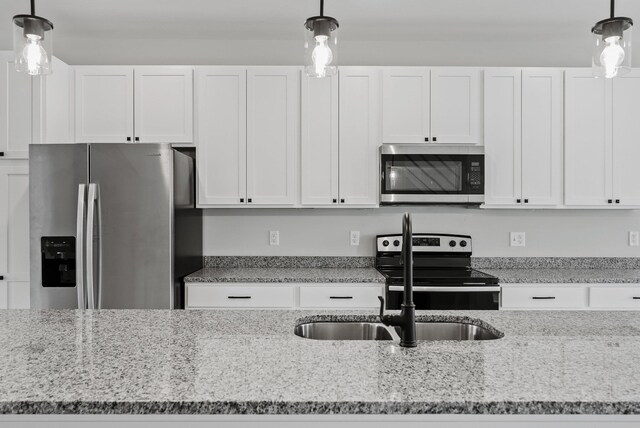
x: 290, y: 275
x: 287, y: 262
x: 566, y: 276
x: 556, y: 262
x: 221, y: 362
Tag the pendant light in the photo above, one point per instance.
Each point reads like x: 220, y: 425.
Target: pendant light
x: 612, y: 50
x: 321, y: 45
x: 32, y: 43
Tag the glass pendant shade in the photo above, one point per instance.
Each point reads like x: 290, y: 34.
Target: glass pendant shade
x: 32, y: 44
x: 321, y: 46
x: 611, y: 55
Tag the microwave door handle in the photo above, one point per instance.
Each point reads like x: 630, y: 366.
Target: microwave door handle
x: 80, y: 245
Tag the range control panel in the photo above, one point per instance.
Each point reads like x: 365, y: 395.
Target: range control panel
x: 426, y: 243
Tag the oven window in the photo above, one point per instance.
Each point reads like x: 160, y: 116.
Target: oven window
x: 422, y: 174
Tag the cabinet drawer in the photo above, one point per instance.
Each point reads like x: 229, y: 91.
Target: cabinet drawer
x: 614, y: 297
x: 244, y: 296
x: 340, y: 296
x: 550, y: 297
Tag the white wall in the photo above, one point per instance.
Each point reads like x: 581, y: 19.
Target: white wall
x: 578, y: 233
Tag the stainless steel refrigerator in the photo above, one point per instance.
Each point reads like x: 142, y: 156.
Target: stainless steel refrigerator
x: 113, y: 226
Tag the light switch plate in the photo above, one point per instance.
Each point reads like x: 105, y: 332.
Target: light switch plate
x: 518, y: 239
x: 634, y: 239
x: 274, y: 237
x: 354, y: 237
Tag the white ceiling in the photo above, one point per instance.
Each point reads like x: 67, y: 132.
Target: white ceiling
x: 361, y: 20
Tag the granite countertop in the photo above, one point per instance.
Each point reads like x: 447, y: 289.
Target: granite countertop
x: 352, y: 275
x: 250, y: 362
x: 566, y: 276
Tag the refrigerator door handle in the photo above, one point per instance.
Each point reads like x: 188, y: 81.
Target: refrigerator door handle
x: 99, y: 218
x: 80, y: 247
x: 91, y: 215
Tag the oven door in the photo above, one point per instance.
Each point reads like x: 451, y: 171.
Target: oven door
x: 425, y: 178
x: 447, y: 298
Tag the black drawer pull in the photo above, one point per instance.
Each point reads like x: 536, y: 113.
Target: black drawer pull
x: 241, y: 199
x: 335, y: 201
x: 435, y: 139
x: 249, y: 200
x: 238, y: 297
x: 610, y: 201
x: 128, y: 138
x: 526, y: 201
x: 1, y: 154
x: 137, y: 138
x: 634, y: 297
x: 518, y: 200
x: 543, y: 298
x: 617, y: 201
x: 426, y: 139
x: 2, y: 277
x: 341, y: 297
x: 342, y: 201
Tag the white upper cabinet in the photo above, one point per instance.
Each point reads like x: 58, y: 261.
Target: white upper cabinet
x: 542, y: 137
x: 588, y: 106
x: 523, y: 137
x: 109, y: 110
x: 104, y: 104
x: 456, y: 105
x: 405, y: 104
x: 15, y: 110
x: 163, y: 104
x: 503, y: 136
x: 359, y: 133
x: 14, y: 234
x: 221, y: 106
x: 626, y: 139
x: 319, y: 144
x: 53, y: 105
x: 273, y: 106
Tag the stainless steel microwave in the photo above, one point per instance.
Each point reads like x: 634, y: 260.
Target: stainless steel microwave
x: 430, y: 174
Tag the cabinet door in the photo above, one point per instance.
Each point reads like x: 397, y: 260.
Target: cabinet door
x: 15, y: 110
x: 456, y: 105
x: 104, y: 104
x: 272, y: 134
x: 626, y: 139
x: 319, y: 145
x: 163, y: 104
x: 14, y: 234
x: 405, y: 104
x: 542, y: 137
x: 221, y: 115
x: 502, y: 118
x: 587, y: 148
x: 359, y: 136
x: 53, y: 105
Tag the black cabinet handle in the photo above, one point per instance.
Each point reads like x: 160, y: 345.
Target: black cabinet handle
x: 2, y: 277
x: 617, y: 201
x: 128, y: 138
x: 543, y: 298
x: 342, y: 201
x: 610, y: 201
x: 426, y: 139
x: 241, y: 199
x: 518, y: 200
x: 238, y: 297
x: 1, y: 154
x: 435, y: 139
x: 341, y: 297
x: 335, y: 201
x: 137, y: 138
x: 526, y: 201
x: 634, y: 297
x: 249, y: 200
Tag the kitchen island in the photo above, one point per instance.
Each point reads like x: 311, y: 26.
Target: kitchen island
x: 243, y: 366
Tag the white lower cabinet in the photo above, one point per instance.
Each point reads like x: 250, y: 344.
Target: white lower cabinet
x: 553, y: 296
x: 340, y: 296
x: 571, y: 296
x: 202, y: 296
x: 282, y: 296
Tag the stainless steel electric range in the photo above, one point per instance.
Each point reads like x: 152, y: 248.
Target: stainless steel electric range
x: 442, y: 274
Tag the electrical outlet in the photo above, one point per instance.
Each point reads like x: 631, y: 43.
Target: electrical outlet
x: 517, y: 239
x: 354, y: 237
x: 634, y: 239
x: 274, y: 237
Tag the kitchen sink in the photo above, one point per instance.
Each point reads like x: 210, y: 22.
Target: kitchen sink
x: 323, y: 330
x: 344, y: 331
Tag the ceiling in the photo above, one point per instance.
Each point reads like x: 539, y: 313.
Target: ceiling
x: 361, y: 20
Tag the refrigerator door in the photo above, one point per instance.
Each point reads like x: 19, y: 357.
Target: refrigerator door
x: 56, y: 171
x: 133, y: 262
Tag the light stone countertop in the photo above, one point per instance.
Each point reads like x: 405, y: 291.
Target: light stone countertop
x: 566, y: 276
x: 287, y: 275
x: 250, y: 362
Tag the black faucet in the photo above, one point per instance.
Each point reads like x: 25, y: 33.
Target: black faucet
x: 407, y: 318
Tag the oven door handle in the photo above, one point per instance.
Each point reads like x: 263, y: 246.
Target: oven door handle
x: 445, y: 289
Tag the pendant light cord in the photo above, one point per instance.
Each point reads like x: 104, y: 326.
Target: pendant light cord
x: 321, y: 7
x: 613, y: 8
x: 33, y: 7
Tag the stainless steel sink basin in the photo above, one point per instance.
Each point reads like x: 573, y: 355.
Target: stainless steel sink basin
x: 451, y: 331
x: 344, y: 331
x: 321, y: 330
